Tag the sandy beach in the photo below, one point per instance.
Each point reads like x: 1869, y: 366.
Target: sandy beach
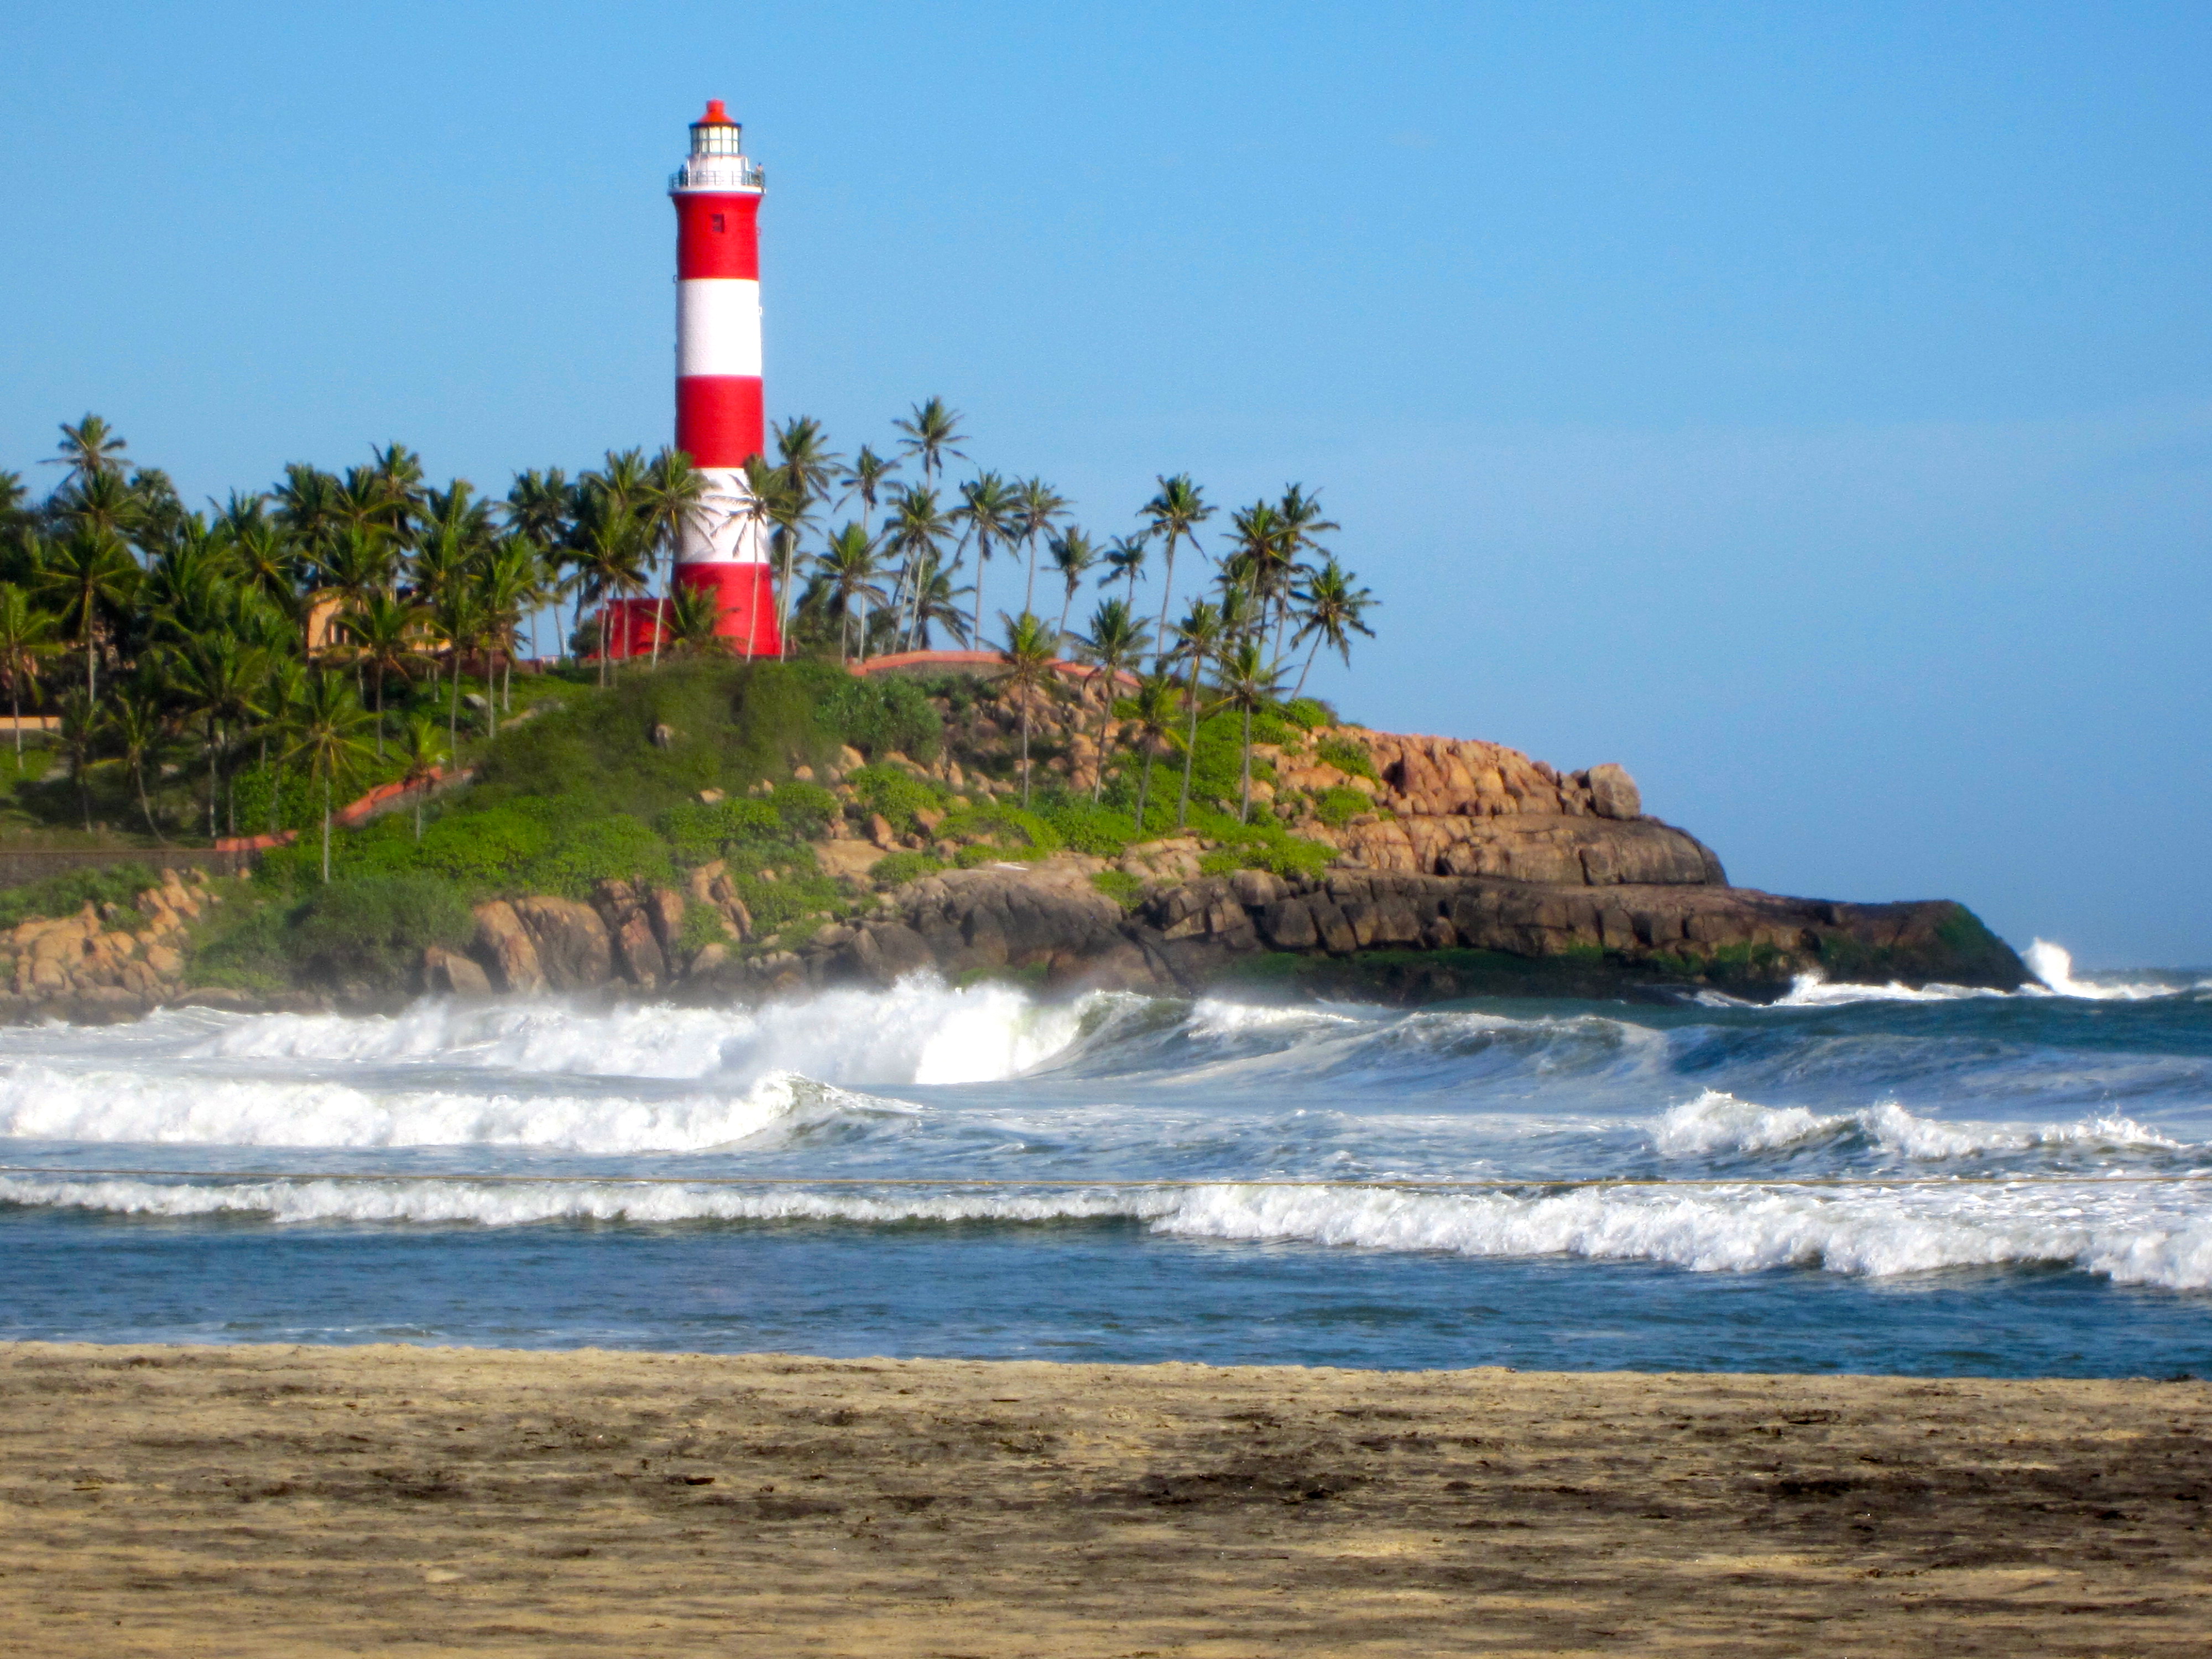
x: 304, y: 1501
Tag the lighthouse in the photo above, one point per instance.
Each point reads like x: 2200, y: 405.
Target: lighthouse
x: 721, y: 420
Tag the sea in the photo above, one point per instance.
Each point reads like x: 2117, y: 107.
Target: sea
x: 1854, y: 1179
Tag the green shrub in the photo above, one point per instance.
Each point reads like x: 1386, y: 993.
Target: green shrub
x: 1016, y: 832
x: 1338, y: 806
x: 1309, y: 713
x: 971, y: 858
x: 697, y: 832
x: 243, y: 946
x: 893, y: 868
x: 775, y: 905
x: 614, y: 849
x: 880, y: 715
x: 1347, y: 756
x: 65, y: 895
x: 483, y: 852
x: 805, y: 808
x: 1098, y: 830
x: 374, y: 929
x: 898, y: 795
x: 1124, y: 889
x: 703, y: 924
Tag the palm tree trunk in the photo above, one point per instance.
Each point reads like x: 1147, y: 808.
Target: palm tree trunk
x: 1189, y: 749
x: 379, y: 710
x: 1025, y: 751
x: 326, y: 831
x: 1167, y: 598
x: 1029, y: 593
x: 1244, y: 804
x: 15, y: 708
x: 983, y: 560
x: 1299, y: 690
x: 212, y: 791
x: 1105, y: 720
x: 1143, y: 787
x: 453, y: 719
x: 138, y: 776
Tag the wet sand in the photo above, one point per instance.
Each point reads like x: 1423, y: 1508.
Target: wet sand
x: 311, y: 1501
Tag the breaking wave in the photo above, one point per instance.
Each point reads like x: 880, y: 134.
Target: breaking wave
x: 1719, y: 1122
x: 1869, y: 1232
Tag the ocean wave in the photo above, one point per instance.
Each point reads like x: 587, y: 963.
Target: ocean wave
x: 1861, y: 1232
x: 919, y: 1031
x: 2051, y: 965
x: 1717, y: 1122
x: 41, y: 1103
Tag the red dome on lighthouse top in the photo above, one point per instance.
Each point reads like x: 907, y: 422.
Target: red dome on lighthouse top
x: 718, y: 160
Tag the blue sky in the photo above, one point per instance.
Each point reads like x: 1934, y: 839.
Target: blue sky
x: 1810, y: 406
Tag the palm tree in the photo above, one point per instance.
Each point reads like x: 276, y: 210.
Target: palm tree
x: 988, y: 505
x: 1114, y: 640
x: 612, y: 551
x: 1124, y: 562
x: 1037, y: 508
x: 865, y: 479
x: 217, y: 677
x: 79, y: 734
x: 328, y: 739
x: 1331, y: 607
x: 936, y: 601
x: 507, y: 585
x: 423, y: 747
x: 849, y: 567
x: 462, y: 621
x: 539, y: 506
x: 282, y: 694
x: 932, y: 433
x: 1074, y: 555
x: 788, y: 508
x: 139, y: 729
x: 694, y: 619
x: 26, y: 634
x: 384, y: 632
x: 1197, y: 636
x: 1248, y: 683
x: 1154, y: 711
x: 1175, y: 513
x: 808, y: 461
x: 674, y: 492
x: 91, y: 574
x: 89, y: 448
x: 918, y: 527
x: 1029, y: 654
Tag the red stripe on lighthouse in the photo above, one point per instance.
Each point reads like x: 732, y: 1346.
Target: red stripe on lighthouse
x: 717, y: 236
x: 721, y: 420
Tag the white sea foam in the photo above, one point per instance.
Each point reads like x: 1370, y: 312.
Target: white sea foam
x: 2053, y: 964
x: 1716, y: 1121
x: 1813, y: 991
x: 1867, y: 1232
x: 920, y: 1030
x: 45, y: 1103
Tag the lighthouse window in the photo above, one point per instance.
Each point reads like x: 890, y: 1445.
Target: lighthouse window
x: 718, y: 226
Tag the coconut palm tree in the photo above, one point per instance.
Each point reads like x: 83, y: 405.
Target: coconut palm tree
x: 27, y: 638
x: 461, y: 618
x: 916, y: 532
x: 848, y: 565
x: 79, y: 734
x: 1124, y: 562
x: 328, y: 739
x: 507, y: 585
x: 423, y: 747
x: 216, y: 678
x: 674, y: 492
x: 1154, y: 711
x: 1198, y: 636
x: 1175, y: 514
x: 612, y: 553
x: 936, y: 602
x: 1331, y: 606
x: 932, y: 433
x: 382, y: 636
x: 540, y: 505
x: 864, y: 479
x: 1115, y: 641
x: 988, y: 508
x: 1248, y: 683
x: 1029, y: 654
x: 138, y: 728
x: 695, y: 617
x: 1074, y: 555
x: 1037, y: 508
x: 90, y: 577
x: 89, y: 448
x: 789, y: 508
x: 278, y: 702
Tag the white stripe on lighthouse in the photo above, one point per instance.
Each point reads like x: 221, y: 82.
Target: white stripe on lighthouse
x: 721, y: 530
x: 718, y: 326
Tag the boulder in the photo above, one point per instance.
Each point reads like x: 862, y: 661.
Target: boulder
x: 503, y: 948
x: 574, y: 950
x: 1613, y: 792
x: 448, y: 973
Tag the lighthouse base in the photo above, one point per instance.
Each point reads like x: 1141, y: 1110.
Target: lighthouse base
x: 745, y: 593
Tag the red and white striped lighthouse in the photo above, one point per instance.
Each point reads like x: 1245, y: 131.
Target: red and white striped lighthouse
x: 720, y: 421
